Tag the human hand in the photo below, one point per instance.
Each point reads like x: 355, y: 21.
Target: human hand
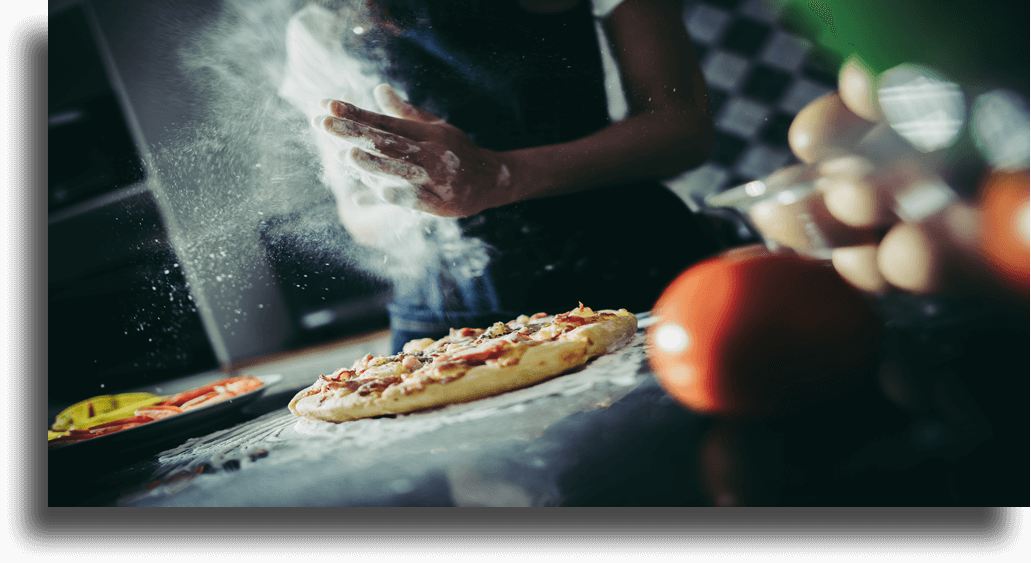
x: 411, y: 158
x: 881, y: 211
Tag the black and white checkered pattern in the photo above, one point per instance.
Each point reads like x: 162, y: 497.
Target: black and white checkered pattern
x: 759, y: 77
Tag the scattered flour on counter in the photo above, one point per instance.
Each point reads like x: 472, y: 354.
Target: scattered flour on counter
x: 282, y: 438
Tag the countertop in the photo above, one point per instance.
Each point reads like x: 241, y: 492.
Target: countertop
x: 603, y: 435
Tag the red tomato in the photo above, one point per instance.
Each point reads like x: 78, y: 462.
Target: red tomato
x: 752, y: 332
x: 1004, y: 227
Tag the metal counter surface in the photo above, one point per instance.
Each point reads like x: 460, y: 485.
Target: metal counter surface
x: 527, y: 447
x: 608, y: 435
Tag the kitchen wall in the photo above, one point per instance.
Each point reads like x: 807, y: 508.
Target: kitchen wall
x: 759, y: 76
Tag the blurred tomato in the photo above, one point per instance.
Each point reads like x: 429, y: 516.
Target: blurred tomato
x: 1004, y: 227
x: 752, y: 332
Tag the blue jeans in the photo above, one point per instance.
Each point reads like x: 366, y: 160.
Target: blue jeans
x: 439, y: 302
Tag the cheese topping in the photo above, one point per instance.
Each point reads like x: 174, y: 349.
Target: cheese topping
x: 428, y: 361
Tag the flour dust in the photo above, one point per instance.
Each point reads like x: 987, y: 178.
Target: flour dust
x: 251, y: 162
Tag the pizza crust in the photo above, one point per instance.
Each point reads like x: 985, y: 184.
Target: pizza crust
x: 539, y: 362
x: 608, y: 335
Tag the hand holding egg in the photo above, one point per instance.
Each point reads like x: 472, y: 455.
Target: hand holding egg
x: 879, y: 211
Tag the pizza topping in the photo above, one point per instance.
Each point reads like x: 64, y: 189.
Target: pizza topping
x: 445, y: 371
x: 572, y: 320
x: 435, y: 362
x: 495, y: 331
x: 417, y: 345
x: 411, y: 363
x: 526, y: 328
x: 366, y: 386
x: 370, y: 375
x: 339, y: 375
x: 519, y: 336
x: 388, y: 369
x: 480, y: 354
x: 549, y: 332
x: 467, y: 332
x: 370, y: 361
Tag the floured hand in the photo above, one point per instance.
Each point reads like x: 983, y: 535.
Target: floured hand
x: 412, y: 158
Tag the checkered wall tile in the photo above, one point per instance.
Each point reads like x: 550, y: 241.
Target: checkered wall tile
x: 759, y: 76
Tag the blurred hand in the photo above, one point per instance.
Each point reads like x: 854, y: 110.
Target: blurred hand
x: 879, y: 205
x: 411, y: 158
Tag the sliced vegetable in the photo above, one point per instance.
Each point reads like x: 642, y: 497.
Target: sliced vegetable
x: 99, y: 410
x: 158, y: 412
x: 107, y: 414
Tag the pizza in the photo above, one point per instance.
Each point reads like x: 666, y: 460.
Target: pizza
x: 467, y: 364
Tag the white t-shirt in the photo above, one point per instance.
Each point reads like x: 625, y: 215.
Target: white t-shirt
x: 602, y: 8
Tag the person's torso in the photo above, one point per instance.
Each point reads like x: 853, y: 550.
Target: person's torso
x: 508, y: 77
x: 511, y: 78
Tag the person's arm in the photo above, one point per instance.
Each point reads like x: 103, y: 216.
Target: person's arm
x: 669, y: 127
x: 669, y: 130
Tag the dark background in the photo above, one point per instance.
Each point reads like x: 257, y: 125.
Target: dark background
x: 116, y: 319
x: 955, y: 435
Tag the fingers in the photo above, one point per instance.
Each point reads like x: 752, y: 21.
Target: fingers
x: 381, y: 176
x: 394, y: 137
x: 404, y: 127
x: 858, y: 266
x: 367, y: 137
x: 393, y: 105
x: 856, y: 203
x: 824, y: 128
x: 399, y: 116
x: 856, y: 84
x: 384, y: 173
x: 804, y: 223
x: 385, y: 166
x: 886, y: 220
x: 853, y: 193
x: 939, y: 255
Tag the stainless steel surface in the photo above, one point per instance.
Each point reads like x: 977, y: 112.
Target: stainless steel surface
x: 279, y: 459
x: 608, y: 435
